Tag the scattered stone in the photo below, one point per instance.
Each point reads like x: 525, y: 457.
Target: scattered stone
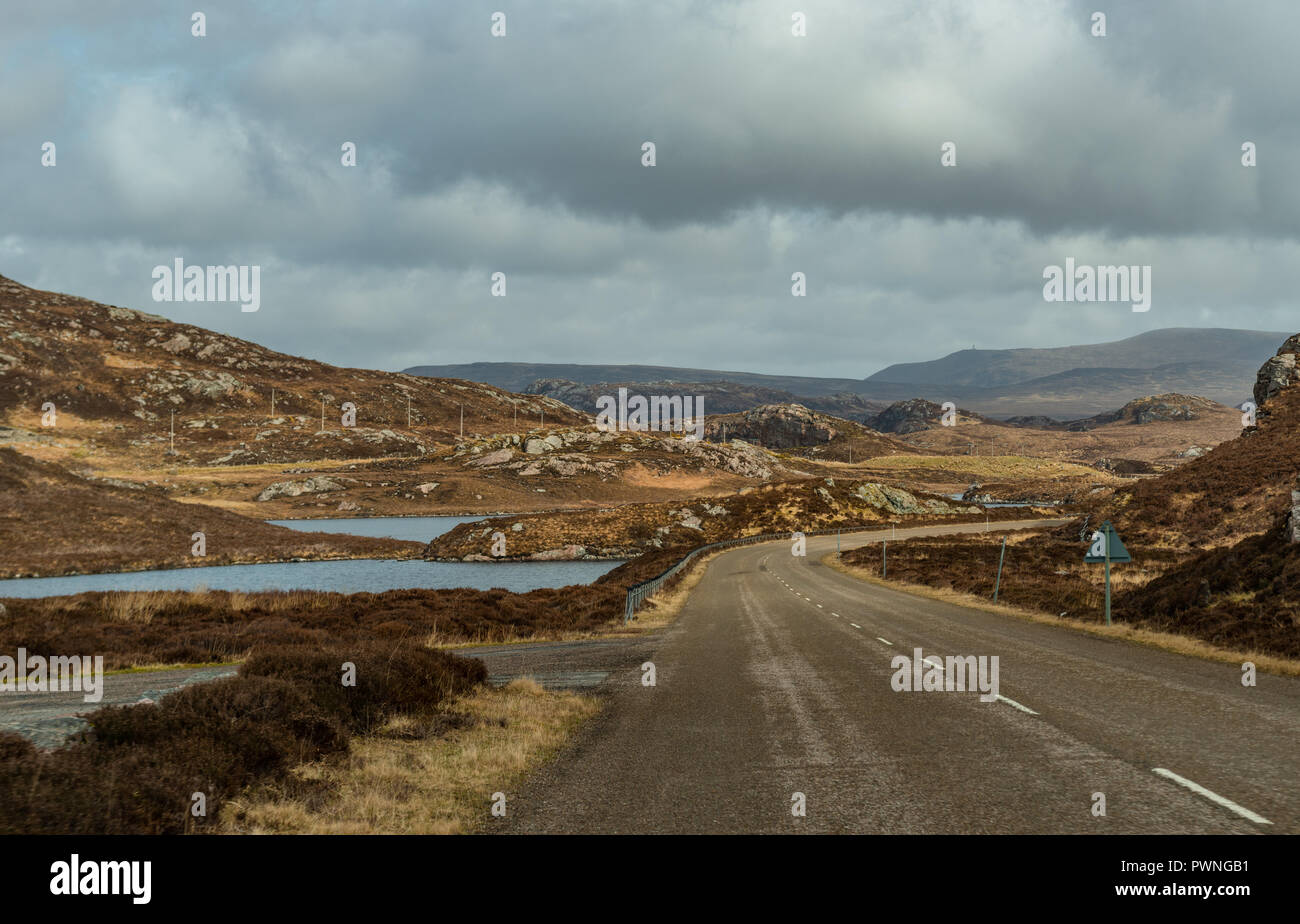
x: 177, y: 343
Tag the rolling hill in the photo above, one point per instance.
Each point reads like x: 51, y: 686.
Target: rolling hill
x: 115, y: 377
x: 1061, y: 382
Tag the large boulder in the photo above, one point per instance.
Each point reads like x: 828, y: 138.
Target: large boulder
x: 907, y: 416
x: 1278, y: 373
x: 1293, y: 520
x: 776, y: 426
x: 317, y: 485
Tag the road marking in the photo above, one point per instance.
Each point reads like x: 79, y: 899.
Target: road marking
x: 1212, y: 796
x: 1012, y: 702
x: 820, y: 607
x: 855, y: 625
x: 885, y: 640
x: 836, y: 615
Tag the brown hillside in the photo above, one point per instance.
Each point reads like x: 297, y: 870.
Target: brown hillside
x: 53, y: 522
x: 115, y: 376
x: 1239, y: 488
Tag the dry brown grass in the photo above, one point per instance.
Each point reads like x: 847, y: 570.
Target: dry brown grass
x: 407, y: 780
x: 137, y: 606
x: 1166, y: 641
x: 140, y: 606
x: 1001, y: 466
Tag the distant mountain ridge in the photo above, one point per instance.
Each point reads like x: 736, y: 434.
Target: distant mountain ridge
x: 1150, y: 350
x: 517, y: 377
x: 1061, y: 382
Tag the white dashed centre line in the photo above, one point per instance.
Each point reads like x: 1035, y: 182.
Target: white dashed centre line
x: 885, y: 640
x: 1012, y: 702
x: 1212, y: 796
x: 855, y: 625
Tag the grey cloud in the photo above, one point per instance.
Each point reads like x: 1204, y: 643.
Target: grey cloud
x: 775, y: 154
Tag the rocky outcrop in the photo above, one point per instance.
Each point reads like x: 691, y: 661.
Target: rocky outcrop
x: 907, y: 416
x: 580, y: 451
x: 896, y: 500
x: 1278, y: 373
x: 1149, y: 409
x: 776, y: 426
x: 318, y: 485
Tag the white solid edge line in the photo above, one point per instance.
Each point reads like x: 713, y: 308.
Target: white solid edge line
x: 1012, y: 702
x: 1212, y: 796
x: 819, y: 606
x: 855, y: 625
x: 836, y: 615
x: 885, y: 640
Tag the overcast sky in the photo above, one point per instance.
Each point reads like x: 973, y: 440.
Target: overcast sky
x: 775, y: 154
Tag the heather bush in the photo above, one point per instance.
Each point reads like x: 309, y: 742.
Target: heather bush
x: 135, y: 768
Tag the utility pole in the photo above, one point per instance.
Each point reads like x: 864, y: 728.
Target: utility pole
x: 408, y: 412
x: 322, y: 415
x: 1001, y: 558
x: 173, y: 444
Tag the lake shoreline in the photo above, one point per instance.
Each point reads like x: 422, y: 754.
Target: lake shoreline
x: 330, y: 572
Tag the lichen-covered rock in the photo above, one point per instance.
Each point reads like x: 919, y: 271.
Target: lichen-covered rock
x: 1278, y: 373
x: 316, y: 485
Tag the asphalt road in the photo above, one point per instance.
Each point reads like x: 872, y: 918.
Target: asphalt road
x: 775, y: 680
x: 49, y: 718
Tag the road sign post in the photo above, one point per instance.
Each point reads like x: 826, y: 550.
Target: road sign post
x: 1106, y: 548
x: 1107, y: 583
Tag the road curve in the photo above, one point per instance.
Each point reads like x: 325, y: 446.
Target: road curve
x: 775, y: 680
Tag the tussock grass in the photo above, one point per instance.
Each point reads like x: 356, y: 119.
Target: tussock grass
x: 134, y: 606
x: 411, y: 779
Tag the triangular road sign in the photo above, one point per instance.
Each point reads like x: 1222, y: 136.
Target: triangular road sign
x: 1100, y: 540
